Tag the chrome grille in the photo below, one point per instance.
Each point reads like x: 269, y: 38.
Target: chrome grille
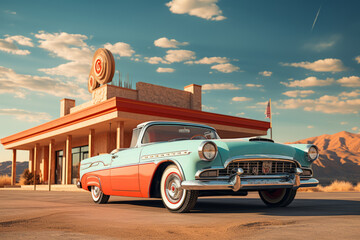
x: 256, y: 167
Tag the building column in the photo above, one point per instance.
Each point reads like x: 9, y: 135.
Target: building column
x: 44, y: 164
x: 68, y: 159
x: 31, y: 160
x: 120, y: 135
x: 92, y: 143
x: 51, y: 172
x: 36, y: 153
x: 13, y: 170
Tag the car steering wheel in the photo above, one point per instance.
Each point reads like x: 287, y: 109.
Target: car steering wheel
x: 200, y: 136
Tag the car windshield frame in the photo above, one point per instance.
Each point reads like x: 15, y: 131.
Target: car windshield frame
x: 185, y: 126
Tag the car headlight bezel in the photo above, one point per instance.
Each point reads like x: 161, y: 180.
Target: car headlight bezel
x: 205, y: 148
x: 312, y: 151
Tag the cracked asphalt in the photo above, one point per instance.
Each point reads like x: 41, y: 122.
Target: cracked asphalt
x: 73, y: 215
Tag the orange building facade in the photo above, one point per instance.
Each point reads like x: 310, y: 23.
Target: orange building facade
x: 57, y: 147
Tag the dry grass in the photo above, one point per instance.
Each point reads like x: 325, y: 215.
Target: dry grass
x: 5, y: 180
x: 22, y: 181
x: 336, y: 186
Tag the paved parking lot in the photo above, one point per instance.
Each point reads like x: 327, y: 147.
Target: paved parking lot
x: 72, y: 215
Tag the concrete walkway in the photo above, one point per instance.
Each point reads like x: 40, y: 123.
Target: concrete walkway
x: 54, y: 187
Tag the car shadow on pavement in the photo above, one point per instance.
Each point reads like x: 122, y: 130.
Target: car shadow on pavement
x: 300, y: 207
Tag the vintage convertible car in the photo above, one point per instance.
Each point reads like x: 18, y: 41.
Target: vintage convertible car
x: 181, y: 161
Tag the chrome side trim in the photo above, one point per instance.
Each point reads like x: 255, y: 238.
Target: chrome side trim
x: 262, y: 157
x: 167, y: 154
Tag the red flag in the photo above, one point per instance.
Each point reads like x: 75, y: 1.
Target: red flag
x: 268, y: 110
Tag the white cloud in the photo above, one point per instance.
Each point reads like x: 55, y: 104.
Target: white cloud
x: 169, y: 43
x: 299, y: 93
x: 210, y: 60
x: 225, y: 68
x: 310, y: 126
x: 343, y: 123
x: 25, y: 115
x: 18, y: 84
x: 254, y: 85
x: 206, y: 9
x: 179, y: 55
x: 165, y: 70
x: 325, y: 104
x: 352, y: 81
x: 220, y: 86
x: 352, y: 94
x: 357, y: 59
x: 156, y: 60
x: 70, y: 69
x: 207, y: 108
x: 322, y: 65
x: 8, y: 44
x: 354, y: 128
x: 70, y: 47
x: 24, y: 41
x: 10, y: 12
x: 241, y: 99
x: 266, y: 73
x: 120, y: 48
x: 309, y: 82
x: 321, y: 46
x: 240, y: 114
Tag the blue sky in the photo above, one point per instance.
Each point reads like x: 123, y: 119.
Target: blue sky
x: 242, y: 52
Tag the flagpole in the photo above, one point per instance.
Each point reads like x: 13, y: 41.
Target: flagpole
x: 271, y: 135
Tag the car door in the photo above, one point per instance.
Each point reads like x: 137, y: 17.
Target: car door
x: 124, y: 170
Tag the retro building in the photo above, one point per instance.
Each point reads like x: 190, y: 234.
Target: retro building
x: 106, y: 122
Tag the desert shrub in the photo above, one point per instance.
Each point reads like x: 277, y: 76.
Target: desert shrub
x: 5, y: 180
x: 357, y: 187
x: 339, y: 186
x: 27, y: 178
x: 336, y: 186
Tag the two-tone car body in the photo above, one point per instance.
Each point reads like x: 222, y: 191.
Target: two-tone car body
x: 181, y: 161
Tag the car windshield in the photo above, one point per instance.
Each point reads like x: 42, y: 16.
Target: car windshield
x: 164, y: 133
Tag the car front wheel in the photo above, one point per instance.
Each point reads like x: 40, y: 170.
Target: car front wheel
x: 281, y: 197
x: 98, y: 196
x: 173, y: 196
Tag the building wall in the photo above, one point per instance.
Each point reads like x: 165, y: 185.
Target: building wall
x: 163, y: 95
x: 189, y: 98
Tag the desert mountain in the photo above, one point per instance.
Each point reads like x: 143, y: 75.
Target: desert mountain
x: 5, y: 168
x: 339, y: 156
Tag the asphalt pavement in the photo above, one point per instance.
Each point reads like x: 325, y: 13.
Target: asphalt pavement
x: 73, y: 215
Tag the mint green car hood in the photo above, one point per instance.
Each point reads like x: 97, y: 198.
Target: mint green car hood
x: 234, y: 148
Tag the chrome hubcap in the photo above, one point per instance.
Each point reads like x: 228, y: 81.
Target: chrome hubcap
x: 96, y: 192
x: 173, y: 188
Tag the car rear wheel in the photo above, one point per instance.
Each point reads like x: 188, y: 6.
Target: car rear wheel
x: 173, y: 196
x: 281, y: 197
x: 98, y: 196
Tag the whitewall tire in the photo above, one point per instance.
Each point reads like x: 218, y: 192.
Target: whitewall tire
x: 98, y: 196
x: 173, y: 196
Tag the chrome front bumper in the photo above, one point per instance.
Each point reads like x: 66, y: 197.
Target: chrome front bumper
x: 237, y: 182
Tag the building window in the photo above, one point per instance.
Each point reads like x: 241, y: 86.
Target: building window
x: 78, y: 154
x: 59, y: 155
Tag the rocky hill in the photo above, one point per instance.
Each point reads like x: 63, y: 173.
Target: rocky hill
x: 339, y: 156
x: 5, y: 168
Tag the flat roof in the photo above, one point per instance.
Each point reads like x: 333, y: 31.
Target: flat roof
x: 225, y: 123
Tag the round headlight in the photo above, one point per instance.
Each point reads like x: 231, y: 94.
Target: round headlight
x: 313, y: 153
x: 207, y: 151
